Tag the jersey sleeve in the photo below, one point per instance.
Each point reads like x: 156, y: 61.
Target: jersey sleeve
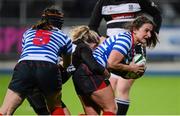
x: 68, y: 48
x: 24, y: 37
x: 96, y: 17
x: 89, y: 60
x: 123, y: 44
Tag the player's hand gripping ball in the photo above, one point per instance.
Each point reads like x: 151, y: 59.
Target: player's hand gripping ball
x: 138, y: 59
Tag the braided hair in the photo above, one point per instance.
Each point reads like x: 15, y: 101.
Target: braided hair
x: 50, y: 17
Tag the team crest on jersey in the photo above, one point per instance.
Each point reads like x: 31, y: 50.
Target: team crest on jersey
x: 131, y: 7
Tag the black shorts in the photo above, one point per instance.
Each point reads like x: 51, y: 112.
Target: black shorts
x: 86, y: 82
x: 38, y: 102
x: 36, y: 74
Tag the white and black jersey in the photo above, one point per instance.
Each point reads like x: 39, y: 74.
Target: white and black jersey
x: 117, y: 13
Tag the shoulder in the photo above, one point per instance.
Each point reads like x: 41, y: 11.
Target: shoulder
x: 124, y: 39
x: 58, y: 31
x: 28, y: 31
x: 60, y: 34
x: 81, y: 46
x: 124, y: 35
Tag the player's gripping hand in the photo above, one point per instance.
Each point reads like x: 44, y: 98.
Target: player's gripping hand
x: 66, y: 73
x: 70, y: 69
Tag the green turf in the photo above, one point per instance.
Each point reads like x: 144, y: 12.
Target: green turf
x: 149, y: 96
x: 157, y: 95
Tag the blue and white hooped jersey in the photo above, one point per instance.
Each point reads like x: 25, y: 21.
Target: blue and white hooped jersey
x: 45, y: 45
x: 122, y: 42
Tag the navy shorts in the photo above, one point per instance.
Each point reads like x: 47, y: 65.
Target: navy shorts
x: 86, y: 82
x: 38, y: 102
x: 43, y: 75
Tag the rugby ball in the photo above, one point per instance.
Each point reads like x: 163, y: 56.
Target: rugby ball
x: 138, y: 59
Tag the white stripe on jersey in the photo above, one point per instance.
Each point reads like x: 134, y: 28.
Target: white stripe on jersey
x: 115, y: 31
x: 120, y: 20
x: 59, y: 43
x: 121, y: 42
x: 121, y: 8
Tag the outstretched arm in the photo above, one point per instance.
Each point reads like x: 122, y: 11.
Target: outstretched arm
x: 96, y: 17
x: 90, y: 61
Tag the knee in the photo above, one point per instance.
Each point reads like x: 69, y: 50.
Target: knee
x: 123, y: 89
x: 124, y: 86
x: 112, y: 109
x: 123, y: 92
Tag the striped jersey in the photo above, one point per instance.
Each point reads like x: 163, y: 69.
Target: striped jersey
x: 118, y: 13
x: 45, y: 45
x: 123, y: 43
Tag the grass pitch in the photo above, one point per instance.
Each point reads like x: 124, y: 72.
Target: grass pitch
x: 150, y: 95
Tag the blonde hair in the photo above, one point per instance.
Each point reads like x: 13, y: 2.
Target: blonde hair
x: 84, y: 33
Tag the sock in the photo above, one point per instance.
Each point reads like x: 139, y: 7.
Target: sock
x: 123, y: 106
x: 58, y: 111
x: 108, y: 113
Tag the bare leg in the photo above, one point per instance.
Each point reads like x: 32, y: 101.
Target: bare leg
x: 122, y: 89
x: 114, y: 82
x: 99, y: 100
x: 66, y: 111
x: 105, y: 99
x: 89, y: 106
x: 11, y: 102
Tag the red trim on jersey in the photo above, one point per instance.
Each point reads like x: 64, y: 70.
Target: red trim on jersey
x: 132, y: 50
x: 122, y: 15
x: 103, y: 85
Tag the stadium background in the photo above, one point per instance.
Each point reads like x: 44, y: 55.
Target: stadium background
x: 157, y: 93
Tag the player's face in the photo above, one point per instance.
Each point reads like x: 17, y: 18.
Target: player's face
x: 144, y: 32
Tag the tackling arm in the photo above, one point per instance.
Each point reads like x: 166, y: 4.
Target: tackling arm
x: 96, y: 17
